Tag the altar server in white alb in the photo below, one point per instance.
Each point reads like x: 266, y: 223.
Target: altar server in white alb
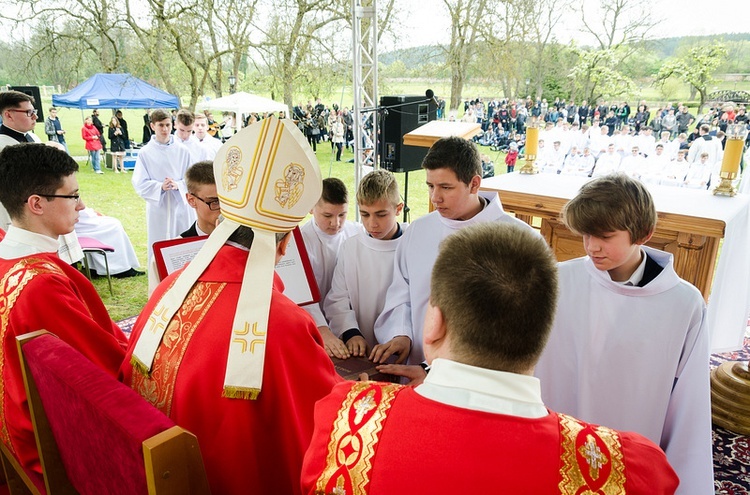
x: 159, y: 179
x: 629, y: 347
x: 454, y: 172
x: 324, y: 234
x: 364, y: 269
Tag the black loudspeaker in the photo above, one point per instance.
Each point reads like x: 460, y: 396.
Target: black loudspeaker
x: 400, y: 115
x: 33, y: 91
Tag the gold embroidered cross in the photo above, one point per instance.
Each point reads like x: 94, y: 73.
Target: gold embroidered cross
x: 160, y: 312
x: 593, y: 455
x: 364, y: 405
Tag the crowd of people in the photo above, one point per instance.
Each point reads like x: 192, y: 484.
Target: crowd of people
x: 511, y: 372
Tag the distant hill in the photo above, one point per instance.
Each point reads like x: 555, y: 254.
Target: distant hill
x: 413, y: 57
x: 665, y: 47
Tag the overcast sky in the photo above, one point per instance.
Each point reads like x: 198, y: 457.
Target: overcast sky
x: 427, y: 21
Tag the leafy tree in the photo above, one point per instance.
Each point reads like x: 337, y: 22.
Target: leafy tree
x: 595, y: 75
x: 696, y: 68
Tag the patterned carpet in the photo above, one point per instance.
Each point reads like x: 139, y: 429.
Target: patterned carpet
x: 731, y: 450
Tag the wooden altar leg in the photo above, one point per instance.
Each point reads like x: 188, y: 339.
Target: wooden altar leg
x: 695, y: 260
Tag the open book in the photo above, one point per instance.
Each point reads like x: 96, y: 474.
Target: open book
x: 294, y: 268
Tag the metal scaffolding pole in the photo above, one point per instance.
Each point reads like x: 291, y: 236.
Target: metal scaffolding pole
x: 365, y: 65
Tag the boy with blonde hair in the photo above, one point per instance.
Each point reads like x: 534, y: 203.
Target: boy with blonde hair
x: 629, y: 347
x: 364, y: 268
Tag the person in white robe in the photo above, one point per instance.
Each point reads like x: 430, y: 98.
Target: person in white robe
x: 457, y: 205
x: 607, y: 163
x: 630, y: 349
x: 158, y: 178
x: 699, y: 173
x: 107, y: 230
x: 674, y: 173
x: 207, y: 146
x: 655, y: 166
x: 323, y: 235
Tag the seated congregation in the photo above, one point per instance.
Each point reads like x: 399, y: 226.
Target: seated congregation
x: 507, y: 364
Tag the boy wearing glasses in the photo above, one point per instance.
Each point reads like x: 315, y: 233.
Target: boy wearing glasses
x: 202, y: 197
x: 39, y: 189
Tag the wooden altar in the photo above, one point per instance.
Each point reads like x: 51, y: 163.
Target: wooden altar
x: 690, y: 223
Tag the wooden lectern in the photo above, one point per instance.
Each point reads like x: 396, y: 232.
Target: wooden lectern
x: 426, y: 135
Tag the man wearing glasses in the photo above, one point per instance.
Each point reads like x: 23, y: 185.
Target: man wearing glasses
x: 38, y: 187
x: 19, y: 118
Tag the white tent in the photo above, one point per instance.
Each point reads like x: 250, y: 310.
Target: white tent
x: 243, y: 103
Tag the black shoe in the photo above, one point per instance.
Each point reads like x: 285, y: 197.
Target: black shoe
x: 129, y: 273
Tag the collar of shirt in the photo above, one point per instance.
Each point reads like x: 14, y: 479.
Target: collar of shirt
x: 19, y: 242
x: 480, y: 389
x: 18, y: 136
x: 637, y: 275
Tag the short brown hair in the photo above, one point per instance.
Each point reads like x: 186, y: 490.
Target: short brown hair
x: 457, y: 154
x: 496, y: 286
x: 32, y: 168
x: 377, y: 185
x: 185, y: 117
x: 334, y: 192
x: 610, y: 203
x: 198, y: 174
x: 158, y: 115
x: 11, y: 99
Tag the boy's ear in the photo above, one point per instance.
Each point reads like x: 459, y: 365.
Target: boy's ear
x: 474, y: 184
x: 399, y: 208
x: 645, y: 239
x: 434, y: 326
x: 190, y: 199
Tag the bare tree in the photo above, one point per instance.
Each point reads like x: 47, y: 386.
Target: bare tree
x: 71, y: 23
x: 465, y: 17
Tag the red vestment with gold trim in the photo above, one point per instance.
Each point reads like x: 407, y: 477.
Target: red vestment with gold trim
x: 42, y: 292
x: 374, y: 438
x: 248, y: 446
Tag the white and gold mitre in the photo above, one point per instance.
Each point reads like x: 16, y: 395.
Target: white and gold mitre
x: 271, y: 185
x: 267, y: 178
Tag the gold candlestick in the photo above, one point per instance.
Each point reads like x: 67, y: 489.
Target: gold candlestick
x: 532, y: 149
x: 730, y: 165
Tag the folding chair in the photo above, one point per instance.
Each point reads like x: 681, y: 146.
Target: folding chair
x: 90, y: 245
x: 95, y: 435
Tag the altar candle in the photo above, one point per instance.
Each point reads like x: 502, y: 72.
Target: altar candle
x: 532, y: 141
x: 732, y: 156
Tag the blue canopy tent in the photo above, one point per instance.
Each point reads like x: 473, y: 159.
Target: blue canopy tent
x: 115, y: 91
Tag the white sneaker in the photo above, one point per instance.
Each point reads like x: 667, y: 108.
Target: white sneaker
x: 98, y: 171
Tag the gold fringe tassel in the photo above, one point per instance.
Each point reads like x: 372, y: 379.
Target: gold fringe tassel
x: 240, y: 393
x: 139, y: 366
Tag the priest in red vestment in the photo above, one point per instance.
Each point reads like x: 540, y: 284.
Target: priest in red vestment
x: 218, y: 347
x: 477, y: 424
x: 38, y: 290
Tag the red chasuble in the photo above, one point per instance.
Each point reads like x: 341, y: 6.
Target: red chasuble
x: 248, y: 446
x: 374, y: 438
x: 42, y: 292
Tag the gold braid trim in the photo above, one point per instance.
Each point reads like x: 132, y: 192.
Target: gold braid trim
x: 591, y: 460
x: 13, y: 283
x: 158, y: 386
x: 354, y: 439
